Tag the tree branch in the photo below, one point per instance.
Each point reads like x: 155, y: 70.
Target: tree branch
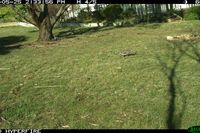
x: 23, y: 16
x: 60, y: 12
x: 39, y: 8
x: 34, y: 15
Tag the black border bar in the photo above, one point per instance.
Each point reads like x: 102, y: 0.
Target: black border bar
x: 99, y: 1
x: 119, y: 130
x: 93, y: 130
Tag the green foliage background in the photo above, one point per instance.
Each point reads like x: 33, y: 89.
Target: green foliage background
x: 7, y: 14
x: 192, y: 13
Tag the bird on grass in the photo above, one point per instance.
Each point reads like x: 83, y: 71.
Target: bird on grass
x: 127, y: 53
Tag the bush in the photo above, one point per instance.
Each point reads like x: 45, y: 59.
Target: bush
x: 192, y: 13
x: 179, y: 12
x: 191, y: 16
x: 129, y: 13
x: 129, y: 22
x: 7, y: 14
x: 84, y: 16
x: 112, y: 13
x: 72, y: 19
x: 97, y: 16
x: 156, y: 17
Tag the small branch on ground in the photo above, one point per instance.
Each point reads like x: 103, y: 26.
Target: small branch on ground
x: 3, y: 119
x: 53, y: 86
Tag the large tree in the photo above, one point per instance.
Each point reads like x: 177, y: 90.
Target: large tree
x: 43, y: 16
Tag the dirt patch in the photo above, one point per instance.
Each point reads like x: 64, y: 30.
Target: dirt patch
x: 42, y: 44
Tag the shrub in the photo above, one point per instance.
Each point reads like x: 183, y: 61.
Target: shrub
x: 192, y: 13
x: 129, y: 13
x: 191, y: 16
x: 97, y: 16
x: 179, y: 12
x: 84, y: 16
x: 156, y: 17
x: 112, y: 13
x: 72, y: 19
x: 129, y: 22
x: 7, y: 14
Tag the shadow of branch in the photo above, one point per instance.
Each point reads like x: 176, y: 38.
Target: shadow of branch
x: 194, y: 52
x: 175, y: 54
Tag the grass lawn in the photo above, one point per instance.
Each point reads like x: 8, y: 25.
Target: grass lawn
x: 81, y: 81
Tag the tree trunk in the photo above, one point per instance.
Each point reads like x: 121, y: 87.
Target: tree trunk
x: 142, y: 11
x: 44, y: 17
x: 159, y: 8
x: 147, y: 14
x: 171, y: 7
x: 73, y: 11
x: 88, y: 8
x: 45, y: 30
x: 134, y: 7
x: 153, y: 8
x: 167, y: 7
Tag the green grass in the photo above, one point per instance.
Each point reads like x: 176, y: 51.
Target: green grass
x: 83, y: 82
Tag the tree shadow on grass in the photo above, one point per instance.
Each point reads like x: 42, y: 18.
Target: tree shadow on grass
x: 7, y: 44
x: 33, y: 31
x: 80, y: 31
x: 150, y: 25
x: 194, y: 52
x: 176, y: 50
x: 73, y: 32
x: 169, y: 67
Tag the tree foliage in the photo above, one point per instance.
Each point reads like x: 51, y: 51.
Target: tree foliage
x: 129, y: 13
x: 7, y: 14
x: 112, y: 12
x: 84, y: 15
x: 97, y: 15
